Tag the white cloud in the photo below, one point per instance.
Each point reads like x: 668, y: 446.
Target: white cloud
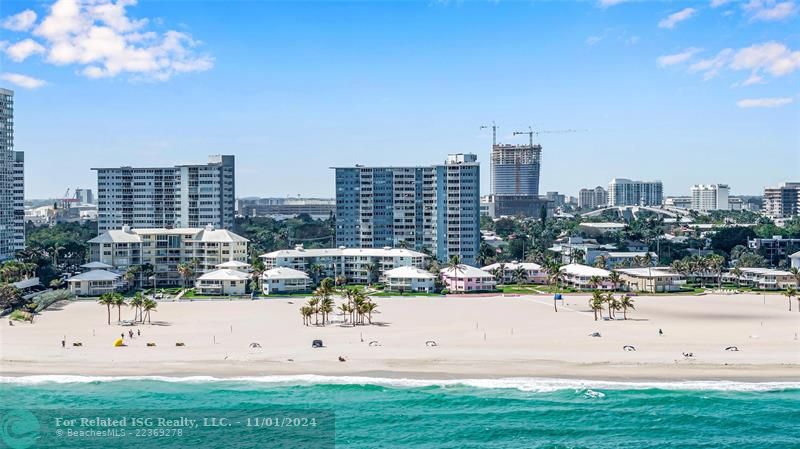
x: 20, y: 80
x: 712, y: 66
x: 607, y: 3
x: 677, y: 58
x: 753, y: 79
x: 675, y: 18
x: 769, y: 10
x: 20, y: 22
x: 768, y: 58
x: 101, y: 39
x: 592, y: 40
x: 21, y: 50
x: 718, y: 3
x: 764, y: 102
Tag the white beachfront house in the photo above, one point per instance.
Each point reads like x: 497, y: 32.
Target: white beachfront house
x: 284, y: 280
x: 653, y: 280
x: 409, y: 279
x: 579, y: 277
x: 98, y: 278
x: 534, y: 273
x: 465, y: 278
x: 95, y: 283
x: 230, y: 278
x: 222, y: 282
x: 358, y: 265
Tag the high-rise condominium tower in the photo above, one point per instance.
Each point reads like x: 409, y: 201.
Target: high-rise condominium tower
x: 782, y: 201
x: 184, y: 196
x: 427, y: 208
x: 12, y: 181
x: 624, y: 192
x: 710, y: 197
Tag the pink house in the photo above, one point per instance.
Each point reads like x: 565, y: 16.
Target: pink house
x: 465, y: 279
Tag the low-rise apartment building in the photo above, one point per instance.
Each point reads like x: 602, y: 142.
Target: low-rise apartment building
x: 651, y: 280
x: 534, y: 273
x: 357, y: 265
x: 158, y: 252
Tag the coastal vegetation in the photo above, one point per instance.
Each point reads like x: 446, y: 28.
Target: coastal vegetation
x: 357, y: 308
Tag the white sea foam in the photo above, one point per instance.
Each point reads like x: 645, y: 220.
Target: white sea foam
x: 528, y: 384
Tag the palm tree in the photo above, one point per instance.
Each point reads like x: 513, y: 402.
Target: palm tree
x: 736, y: 272
x: 372, y: 269
x: 313, y: 304
x: 369, y: 307
x: 615, y: 279
x: 594, y: 281
x: 600, y: 261
x: 790, y: 293
x: 306, y: 312
x: 576, y: 255
x: 344, y: 310
x: 613, y: 305
x: 715, y: 263
x: 107, y: 299
x: 519, y: 275
x: 185, y: 271
x: 130, y: 275
x: 148, y: 306
x: 118, y: 301
x: 796, y: 273
x: 626, y: 303
x: 136, y: 302
x: 596, y: 303
x: 316, y: 271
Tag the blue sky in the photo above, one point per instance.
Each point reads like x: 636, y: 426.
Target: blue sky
x: 711, y: 95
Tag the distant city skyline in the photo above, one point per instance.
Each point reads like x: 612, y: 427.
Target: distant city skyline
x: 686, y: 97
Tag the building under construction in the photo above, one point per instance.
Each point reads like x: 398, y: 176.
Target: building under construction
x: 515, y: 181
x: 515, y: 169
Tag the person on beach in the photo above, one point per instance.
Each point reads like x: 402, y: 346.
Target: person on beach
x: 138, y: 332
x: 130, y: 333
x: 660, y: 332
x: 63, y: 343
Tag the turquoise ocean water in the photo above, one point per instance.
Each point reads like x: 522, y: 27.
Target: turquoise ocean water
x: 384, y: 413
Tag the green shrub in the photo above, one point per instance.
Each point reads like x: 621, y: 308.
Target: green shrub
x: 19, y: 315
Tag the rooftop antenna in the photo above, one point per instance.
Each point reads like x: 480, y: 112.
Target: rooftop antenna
x: 494, y: 143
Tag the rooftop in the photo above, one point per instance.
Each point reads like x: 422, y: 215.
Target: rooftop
x: 339, y: 252
x: 577, y: 269
x: 224, y: 275
x: 409, y: 272
x: 465, y: 271
x: 283, y: 273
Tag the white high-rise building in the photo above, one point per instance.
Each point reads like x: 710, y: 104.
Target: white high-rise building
x: 782, y: 201
x: 710, y: 197
x: 434, y: 208
x: 12, y: 177
x: 624, y: 192
x: 187, y: 196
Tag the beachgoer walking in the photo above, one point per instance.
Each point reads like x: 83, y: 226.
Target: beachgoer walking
x: 63, y: 344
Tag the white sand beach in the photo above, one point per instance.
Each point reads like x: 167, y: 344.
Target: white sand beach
x: 476, y: 337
